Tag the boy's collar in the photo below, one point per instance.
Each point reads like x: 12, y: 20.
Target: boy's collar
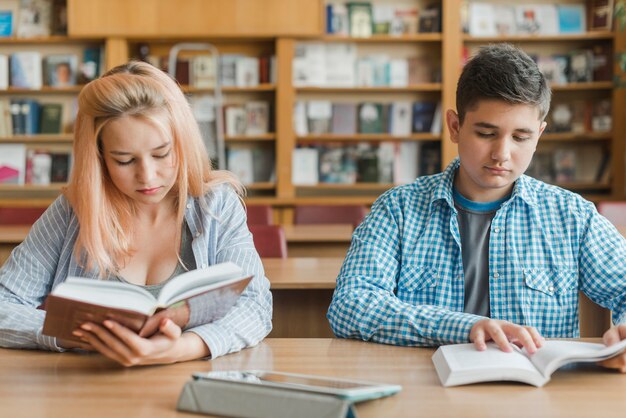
x: 522, y: 187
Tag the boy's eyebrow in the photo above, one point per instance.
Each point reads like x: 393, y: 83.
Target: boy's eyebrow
x: 127, y: 153
x: 490, y: 126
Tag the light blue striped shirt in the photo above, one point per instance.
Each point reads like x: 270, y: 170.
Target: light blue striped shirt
x: 46, y: 258
x: 402, y: 281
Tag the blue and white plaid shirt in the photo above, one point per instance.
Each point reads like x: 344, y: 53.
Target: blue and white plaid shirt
x: 402, y: 281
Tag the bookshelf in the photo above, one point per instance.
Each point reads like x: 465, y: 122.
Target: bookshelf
x: 55, y: 145
x: 278, y: 27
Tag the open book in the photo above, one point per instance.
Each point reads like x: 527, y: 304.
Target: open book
x: 460, y: 364
x: 78, y: 300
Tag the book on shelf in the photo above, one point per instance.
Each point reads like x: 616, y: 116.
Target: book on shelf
x: 398, y: 70
x: 60, y: 167
x: 581, y: 66
x: 565, y: 165
x: 367, y: 167
x: 581, y: 119
x: 430, y: 20
x: 4, y: 72
x: 38, y: 167
x: 182, y: 71
x: 423, y: 116
x: 505, y: 23
x: 572, y: 18
x: 406, y: 21
x: 319, y: 115
x: 203, y: 71
x: 589, y: 160
x: 6, y: 122
x: 30, y: 111
x: 337, y: 164
x: 51, y: 118
x: 561, y: 117
x: 537, y: 19
x: 236, y: 120
x: 461, y: 364
x: 406, y: 163
x: 371, y: 118
x: 203, y: 109
x: 542, y: 167
x: 481, y: 19
x: 6, y: 23
x: 305, y: 166
x: 382, y: 16
x: 360, y: 19
x: 69, y: 303
x: 386, y: 154
x: 430, y: 158
x: 12, y: 164
x: 239, y: 161
x: 400, y: 118
x: 247, y: 72
x: 554, y: 68
x: 26, y: 71
x: 61, y: 70
x: 337, y: 19
x: 602, y: 62
x: 602, y: 116
x: 58, y: 20
x: 342, y: 72
x: 228, y: 69
x: 343, y: 121
x: 421, y: 70
x: 90, y: 67
x: 601, y: 15
x: 17, y: 121
x: 309, y: 64
x: 35, y: 18
x: 300, y: 124
x: 263, y: 167
x: 257, y: 117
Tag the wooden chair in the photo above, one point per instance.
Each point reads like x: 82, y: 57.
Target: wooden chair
x: 340, y: 214
x: 20, y: 216
x: 269, y: 240
x: 259, y: 214
x: 614, y: 212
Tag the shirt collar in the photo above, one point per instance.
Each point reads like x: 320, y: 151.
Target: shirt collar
x: 443, y: 191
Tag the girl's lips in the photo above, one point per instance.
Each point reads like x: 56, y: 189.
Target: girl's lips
x: 149, y: 191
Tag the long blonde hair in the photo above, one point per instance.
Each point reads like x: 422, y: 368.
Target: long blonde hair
x: 104, y: 213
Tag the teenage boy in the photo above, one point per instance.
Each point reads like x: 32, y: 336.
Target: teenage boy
x: 482, y: 252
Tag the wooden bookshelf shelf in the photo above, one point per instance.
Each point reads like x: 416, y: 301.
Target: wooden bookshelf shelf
x: 42, y: 138
x: 32, y: 187
x: 368, y: 137
x: 50, y: 40
x: 355, y: 186
x: 587, y: 36
x: 364, y: 90
x: 261, y: 186
x: 583, y: 137
x: 593, y: 85
x: 44, y: 90
x: 260, y: 87
x: 408, y: 38
x: 251, y: 138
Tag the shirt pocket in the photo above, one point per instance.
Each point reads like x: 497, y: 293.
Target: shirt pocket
x: 418, y: 283
x: 551, y: 301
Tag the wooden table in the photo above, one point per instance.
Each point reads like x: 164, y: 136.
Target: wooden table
x: 302, y: 289
x: 54, y: 385
x: 318, y: 240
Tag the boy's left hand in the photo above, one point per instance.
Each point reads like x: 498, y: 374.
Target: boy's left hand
x: 120, y: 344
x: 614, y: 335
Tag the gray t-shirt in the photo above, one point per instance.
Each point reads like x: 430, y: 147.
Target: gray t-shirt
x: 186, y: 255
x: 475, y: 226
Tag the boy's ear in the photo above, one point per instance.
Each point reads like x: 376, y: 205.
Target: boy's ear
x: 542, y: 127
x: 454, y: 125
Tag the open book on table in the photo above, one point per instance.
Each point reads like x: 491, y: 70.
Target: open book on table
x: 79, y: 300
x: 461, y: 364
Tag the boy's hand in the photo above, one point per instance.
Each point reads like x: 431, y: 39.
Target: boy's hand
x: 614, y: 335
x: 503, y: 333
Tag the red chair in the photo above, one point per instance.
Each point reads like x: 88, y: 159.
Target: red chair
x: 20, y: 216
x: 341, y: 214
x: 614, y: 212
x: 259, y: 214
x: 269, y: 240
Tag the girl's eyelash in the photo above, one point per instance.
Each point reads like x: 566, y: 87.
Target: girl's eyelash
x: 124, y: 162
x: 164, y: 155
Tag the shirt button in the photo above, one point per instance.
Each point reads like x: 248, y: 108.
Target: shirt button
x: 496, y: 230
x: 198, y: 235
x: 203, y: 265
x: 496, y: 275
x: 188, y: 205
x: 551, y: 289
